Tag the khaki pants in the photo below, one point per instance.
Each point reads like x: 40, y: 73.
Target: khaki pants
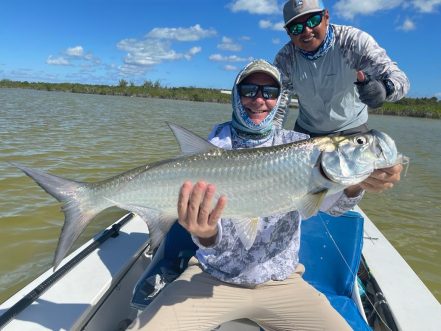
x: 198, y: 301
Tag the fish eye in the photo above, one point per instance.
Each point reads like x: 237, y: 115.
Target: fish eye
x: 360, y: 140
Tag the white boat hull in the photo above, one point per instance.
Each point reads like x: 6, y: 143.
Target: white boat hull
x: 96, y: 293
x: 412, y: 304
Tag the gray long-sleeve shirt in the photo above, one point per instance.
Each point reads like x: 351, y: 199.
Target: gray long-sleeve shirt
x: 328, y: 98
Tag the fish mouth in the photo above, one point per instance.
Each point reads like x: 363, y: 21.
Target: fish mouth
x: 387, y: 151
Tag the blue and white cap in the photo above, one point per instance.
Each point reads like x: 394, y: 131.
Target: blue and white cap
x: 259, y: 65
x: 296, y: 8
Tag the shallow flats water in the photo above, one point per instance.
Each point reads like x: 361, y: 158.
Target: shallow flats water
x: 91, y: 137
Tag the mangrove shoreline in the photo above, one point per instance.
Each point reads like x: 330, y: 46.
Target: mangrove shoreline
x: 412, y: 107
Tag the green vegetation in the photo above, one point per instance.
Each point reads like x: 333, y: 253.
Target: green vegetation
x: 419, y: 107
x: 414, y: 107
x: 148, y: 90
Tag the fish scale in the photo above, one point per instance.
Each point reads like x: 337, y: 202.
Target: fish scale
x: 237, y: 174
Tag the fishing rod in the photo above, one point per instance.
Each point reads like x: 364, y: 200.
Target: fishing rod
x: 33, y: 295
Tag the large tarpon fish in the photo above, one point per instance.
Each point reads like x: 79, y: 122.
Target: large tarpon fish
x: 257, y: 182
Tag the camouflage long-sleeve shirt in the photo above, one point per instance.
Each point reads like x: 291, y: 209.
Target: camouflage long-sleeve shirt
x: 275, y: 252
x: 328, y: 98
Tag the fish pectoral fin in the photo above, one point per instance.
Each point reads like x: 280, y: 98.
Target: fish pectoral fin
x: 247, y: 231
x: 189, y: 142
x: 158, y: 222
x: 311, y: 203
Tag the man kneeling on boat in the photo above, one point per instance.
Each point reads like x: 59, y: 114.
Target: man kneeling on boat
x: 226, y: 280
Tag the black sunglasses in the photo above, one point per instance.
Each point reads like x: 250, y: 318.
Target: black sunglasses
x: 251, y: 90
x: 297, y: 28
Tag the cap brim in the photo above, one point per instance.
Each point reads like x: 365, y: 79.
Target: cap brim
x: 245, y: 75
x: 302, y: 14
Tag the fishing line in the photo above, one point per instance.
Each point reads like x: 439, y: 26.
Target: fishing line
x: 350, y: 270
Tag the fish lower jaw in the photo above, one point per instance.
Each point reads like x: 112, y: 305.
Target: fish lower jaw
x: 343, y: 181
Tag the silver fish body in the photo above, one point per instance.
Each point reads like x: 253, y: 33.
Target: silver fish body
x: 257, y: 182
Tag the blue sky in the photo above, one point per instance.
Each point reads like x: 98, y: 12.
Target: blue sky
x: 201, y: 43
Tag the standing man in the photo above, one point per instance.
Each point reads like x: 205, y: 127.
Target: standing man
x: 336, y: 71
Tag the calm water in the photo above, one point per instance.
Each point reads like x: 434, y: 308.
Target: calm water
x: 91, y: 137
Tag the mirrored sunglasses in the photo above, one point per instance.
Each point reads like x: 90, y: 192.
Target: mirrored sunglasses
x: 297, y: 28
x: 251, y: 90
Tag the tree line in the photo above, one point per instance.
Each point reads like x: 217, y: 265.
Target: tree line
x: 415, y: 107
x: 148, y: 89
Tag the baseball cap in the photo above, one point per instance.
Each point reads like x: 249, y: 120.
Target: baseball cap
x: 296, y: 8
x: 259, y: 66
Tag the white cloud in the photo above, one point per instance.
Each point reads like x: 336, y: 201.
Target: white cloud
x: 231, y: 58
x: 351, y: 8
x: 255, y: 7
x: 30, y: 75
x: 58, y: 61
x: 192, y: 51
x: 130, y: 70
x: 407, y: 25
x: 156, y: 47
x: 276, y: 41
x: 74, y: 56
x: 228, y: 44
x: 426, y: 6
x: 279, y: 26
x: 267, y: 24
x: 229, y: 67
x: 76, y: 51
x: 149, y: 52
x: 91, y: 58
x: 193, y: 33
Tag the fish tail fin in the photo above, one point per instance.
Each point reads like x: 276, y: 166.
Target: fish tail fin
x: 77, y: 209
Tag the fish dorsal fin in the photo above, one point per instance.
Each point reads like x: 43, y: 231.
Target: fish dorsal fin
x: 311, y: 203
x: 246, y: 230
x: 158, y: 223
x: 189, y: 142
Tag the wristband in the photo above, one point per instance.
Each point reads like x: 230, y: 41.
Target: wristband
x: 390, y: 87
